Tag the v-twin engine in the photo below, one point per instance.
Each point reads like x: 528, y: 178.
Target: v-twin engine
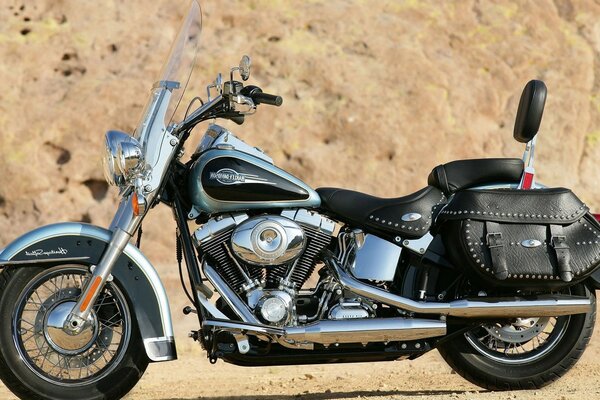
x: 266, y: 258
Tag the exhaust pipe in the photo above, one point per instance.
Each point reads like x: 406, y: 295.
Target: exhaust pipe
x: 366, y: 330
x: 484, y: 307
x: 328, y: 332
x: 323, y: 332
x: 230, y: 297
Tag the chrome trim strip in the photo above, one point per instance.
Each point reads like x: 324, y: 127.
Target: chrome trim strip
x: 42, y: 261
x: 74, y: 228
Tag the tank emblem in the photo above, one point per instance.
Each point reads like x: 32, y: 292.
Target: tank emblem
x: 228, y: 176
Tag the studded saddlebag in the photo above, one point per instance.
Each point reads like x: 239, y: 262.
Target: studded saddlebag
x: 527, y: 238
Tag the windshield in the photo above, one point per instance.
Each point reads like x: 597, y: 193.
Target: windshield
x: 177, y: 70
x: 169, y: 88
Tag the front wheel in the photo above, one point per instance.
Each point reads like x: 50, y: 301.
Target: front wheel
x: 524, y: 353
x: 39, y: 360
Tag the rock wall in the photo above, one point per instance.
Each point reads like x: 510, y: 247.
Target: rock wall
x: 375, y: 93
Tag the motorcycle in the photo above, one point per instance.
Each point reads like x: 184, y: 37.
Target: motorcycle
x: 484, y: 264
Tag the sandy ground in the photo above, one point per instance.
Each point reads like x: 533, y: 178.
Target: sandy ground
x: 193, y: 377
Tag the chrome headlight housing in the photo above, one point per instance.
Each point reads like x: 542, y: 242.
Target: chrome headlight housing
x: 123, y: 158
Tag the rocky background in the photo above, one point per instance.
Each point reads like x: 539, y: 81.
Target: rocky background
x: 376, y: 93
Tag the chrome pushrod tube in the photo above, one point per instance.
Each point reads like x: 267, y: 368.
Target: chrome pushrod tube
x: 540, y: 306
x: 375, y: 330
x: 230, y: 297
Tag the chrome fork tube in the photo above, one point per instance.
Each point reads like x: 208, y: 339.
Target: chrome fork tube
x: 123, y: 226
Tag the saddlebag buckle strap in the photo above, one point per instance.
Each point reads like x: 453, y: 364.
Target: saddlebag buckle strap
x: 558, y: 241
x: 495, y: 243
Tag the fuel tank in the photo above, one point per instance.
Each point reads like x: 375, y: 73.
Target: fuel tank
x: 227, y: 180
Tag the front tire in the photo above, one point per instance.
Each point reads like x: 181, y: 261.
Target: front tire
x: 40, y: 361
x: 506, y: 362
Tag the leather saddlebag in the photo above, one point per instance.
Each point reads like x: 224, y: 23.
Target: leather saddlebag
x: 528, y: 238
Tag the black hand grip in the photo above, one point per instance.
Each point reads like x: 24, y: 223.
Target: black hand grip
x: 265, y: 98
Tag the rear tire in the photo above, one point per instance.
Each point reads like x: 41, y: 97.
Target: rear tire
x: 533, y: 372
x: 28, y: 380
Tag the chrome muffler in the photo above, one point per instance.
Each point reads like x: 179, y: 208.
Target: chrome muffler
x: 483, y: 307
x: 364, y: 331
x: 327, y: 332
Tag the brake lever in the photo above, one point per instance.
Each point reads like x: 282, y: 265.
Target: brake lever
x: 242, y: 100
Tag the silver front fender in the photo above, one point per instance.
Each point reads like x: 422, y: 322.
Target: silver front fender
x: 79, y: 243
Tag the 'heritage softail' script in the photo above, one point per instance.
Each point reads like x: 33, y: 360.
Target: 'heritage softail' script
x: 47, y: 253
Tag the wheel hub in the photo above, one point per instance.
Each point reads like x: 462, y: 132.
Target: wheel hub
x: 64, y: 341
x: 520, y: 331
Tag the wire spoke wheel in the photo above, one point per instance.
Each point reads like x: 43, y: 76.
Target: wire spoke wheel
x: 522, y: 353
x: 56, y: 355
x: 520, y: 341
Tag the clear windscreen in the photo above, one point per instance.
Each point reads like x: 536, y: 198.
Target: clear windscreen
x: 178, y: 68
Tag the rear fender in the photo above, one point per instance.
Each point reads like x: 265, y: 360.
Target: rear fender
x: 593, y: 281
x: 84, y: 244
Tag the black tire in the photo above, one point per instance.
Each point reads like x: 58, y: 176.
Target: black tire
x: 490, y: 374
x: 24, y: 383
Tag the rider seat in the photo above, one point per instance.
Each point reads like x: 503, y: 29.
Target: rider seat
x: 411, y: 216
x: 408, y: 216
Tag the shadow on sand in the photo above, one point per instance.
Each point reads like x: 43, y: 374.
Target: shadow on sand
x: 330, y: 395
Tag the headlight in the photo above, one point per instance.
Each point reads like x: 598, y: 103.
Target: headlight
x: 122, y: 158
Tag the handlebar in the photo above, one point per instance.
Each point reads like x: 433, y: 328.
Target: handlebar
x: 265, y: 98
x: 218, y: 107
x: 259, y: 97
x: 200, y: 114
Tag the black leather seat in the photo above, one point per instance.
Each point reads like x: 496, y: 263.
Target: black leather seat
x: 463, y: 174
x: 409, y: 216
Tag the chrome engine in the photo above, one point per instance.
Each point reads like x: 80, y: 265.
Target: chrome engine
x: 266, y: 259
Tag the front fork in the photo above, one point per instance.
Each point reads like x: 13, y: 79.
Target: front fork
x: 123, y: 226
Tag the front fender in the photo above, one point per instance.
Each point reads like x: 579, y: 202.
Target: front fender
x: 79, y: 243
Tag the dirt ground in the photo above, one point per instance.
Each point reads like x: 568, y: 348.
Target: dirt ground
x: 192, y: 377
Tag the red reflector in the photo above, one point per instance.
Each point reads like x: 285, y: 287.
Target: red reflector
x: 597, y: 216
x: 527, y: 180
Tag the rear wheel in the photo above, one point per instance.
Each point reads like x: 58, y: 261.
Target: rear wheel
x: 39, y: 360
x: 524, y: 353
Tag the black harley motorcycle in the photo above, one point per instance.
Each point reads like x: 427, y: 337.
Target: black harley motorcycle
x: 492, y: 269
